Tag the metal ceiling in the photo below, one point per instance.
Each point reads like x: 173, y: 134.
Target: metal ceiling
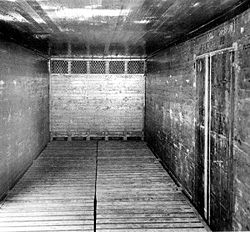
x: 108, y: 27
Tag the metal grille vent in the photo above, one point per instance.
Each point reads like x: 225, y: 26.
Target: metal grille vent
x: 97, y: 67
x: 87, y: 66
x: 135, y: 67
x: 78, y: 67
x: 117, y: 67
x: 59, y: 66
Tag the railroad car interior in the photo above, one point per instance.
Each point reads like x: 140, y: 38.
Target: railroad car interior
x: 125, y: 115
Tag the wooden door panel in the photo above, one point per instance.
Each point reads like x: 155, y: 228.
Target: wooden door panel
x: 220, y: 132
x: 214, y: 114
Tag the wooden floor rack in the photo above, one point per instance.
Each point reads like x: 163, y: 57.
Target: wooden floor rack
x: 115, y: 186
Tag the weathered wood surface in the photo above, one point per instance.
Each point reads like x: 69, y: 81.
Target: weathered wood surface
x: 95, y: 104
x: 57, y: 192
x: 134, y: 192
x: 172, y: 109
x: 24, y: 110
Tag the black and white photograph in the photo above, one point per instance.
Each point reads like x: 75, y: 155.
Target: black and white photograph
x: 124, y: 115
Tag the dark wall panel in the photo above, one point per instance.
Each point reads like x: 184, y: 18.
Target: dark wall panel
x: 171, y: 99
x: 23, y: 110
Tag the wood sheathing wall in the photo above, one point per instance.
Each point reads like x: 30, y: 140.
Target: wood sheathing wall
x: 24, y: 115
x: 172, y: 100
x: 97, y: 104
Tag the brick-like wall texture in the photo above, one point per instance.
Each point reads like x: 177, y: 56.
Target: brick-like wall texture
x: 24, y: 111
x: 97, y: 104
x: 171, y: 111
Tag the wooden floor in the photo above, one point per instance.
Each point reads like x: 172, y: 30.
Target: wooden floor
x: 97, y: 186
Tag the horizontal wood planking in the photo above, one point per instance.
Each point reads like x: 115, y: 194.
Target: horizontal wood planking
x: 97, y: 103
x: 134, y: 192
x: 57, y: 192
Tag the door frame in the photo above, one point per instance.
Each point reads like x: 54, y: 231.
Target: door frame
x: 207, y: 121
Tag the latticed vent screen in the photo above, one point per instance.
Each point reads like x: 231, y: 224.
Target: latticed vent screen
x: 135, y: 67
x: 97, y: 67
x: 116, y: 67
x: 78, y: 67
x: 59, y: 66
x: 84, y: 66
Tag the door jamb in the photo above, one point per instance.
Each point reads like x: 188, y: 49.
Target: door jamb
x: 207, y: 124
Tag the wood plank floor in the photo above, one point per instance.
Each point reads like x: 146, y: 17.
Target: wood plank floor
x: 57, y: 192
x: 133, y: 192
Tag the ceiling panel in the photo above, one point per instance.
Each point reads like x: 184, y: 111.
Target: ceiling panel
x: 107, y: 27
